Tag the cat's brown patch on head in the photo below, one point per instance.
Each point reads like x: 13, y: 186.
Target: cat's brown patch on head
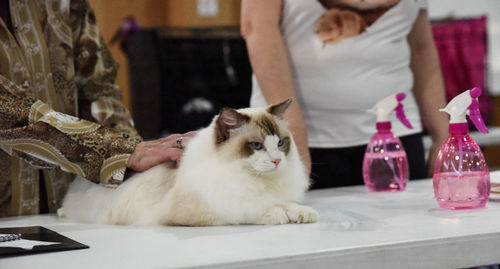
x: 235, y: 131
x: 267, y: 125
x: 245, y: 149
x: 259, y: 127
x: 249, y: 133
x: 228, y: 119
x: 286, y: 145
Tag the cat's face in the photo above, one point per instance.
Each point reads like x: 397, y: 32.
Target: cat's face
x: 258, y: 138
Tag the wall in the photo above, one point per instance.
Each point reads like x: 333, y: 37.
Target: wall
x: 186, y: 13
x: 110, y: 14
x: 154, y: 13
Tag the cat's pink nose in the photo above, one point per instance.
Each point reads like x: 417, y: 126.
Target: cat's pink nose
x: 276, y: 161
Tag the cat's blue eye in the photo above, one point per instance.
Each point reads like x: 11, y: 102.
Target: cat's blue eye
x: 280, y: 143
x: 256, y: 145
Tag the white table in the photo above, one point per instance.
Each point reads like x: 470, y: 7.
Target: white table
x: 356, y: 229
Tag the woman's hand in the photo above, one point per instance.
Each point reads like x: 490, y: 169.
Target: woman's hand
x: 151, y: 153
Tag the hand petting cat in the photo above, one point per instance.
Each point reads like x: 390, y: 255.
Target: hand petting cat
x: 151, y: 153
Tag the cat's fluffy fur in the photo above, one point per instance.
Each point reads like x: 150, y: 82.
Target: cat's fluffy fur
x: 222, y: 179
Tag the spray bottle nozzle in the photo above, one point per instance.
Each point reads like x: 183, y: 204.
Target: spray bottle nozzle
x: 392, y: 103
x: 466, y: 103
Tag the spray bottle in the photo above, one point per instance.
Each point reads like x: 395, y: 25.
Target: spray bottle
x: 461, y: 176
x: 385, y: 165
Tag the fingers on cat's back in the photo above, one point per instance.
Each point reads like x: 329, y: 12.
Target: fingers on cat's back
x: 171, y: 154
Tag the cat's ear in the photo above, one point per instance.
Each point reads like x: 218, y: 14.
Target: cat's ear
x: 279, y: 109
x: 228, y: 120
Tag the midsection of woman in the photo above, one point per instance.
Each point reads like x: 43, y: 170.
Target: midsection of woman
x: 337, y: 83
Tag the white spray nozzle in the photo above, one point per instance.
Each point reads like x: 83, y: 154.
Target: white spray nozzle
x: 458, y: 107
x: 391, y: 103
x: 464, y: 104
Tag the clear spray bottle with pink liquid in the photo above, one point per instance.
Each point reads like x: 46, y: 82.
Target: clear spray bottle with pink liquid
x: 461, y: 177
x: 385, y: 165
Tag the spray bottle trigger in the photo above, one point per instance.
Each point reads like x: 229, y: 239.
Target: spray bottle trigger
x: 402, y: 117
x: 400, y: 114
x: 476, y: 118
x: 473, y: 110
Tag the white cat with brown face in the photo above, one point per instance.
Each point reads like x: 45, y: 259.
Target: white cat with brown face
x: 244, y: 168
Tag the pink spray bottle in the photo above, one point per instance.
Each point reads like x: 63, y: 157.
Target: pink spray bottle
x: 385, y: 166
x: 461, y: 177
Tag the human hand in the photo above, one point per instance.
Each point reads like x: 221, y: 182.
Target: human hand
x: 151, y: 153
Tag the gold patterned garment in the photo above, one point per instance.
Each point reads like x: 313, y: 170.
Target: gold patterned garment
x: 60, y: 112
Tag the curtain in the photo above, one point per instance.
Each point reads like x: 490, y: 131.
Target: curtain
x: 462, y: 48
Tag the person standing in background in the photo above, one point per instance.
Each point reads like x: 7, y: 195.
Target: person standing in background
x: 336, y: 82
x: 61, y: 114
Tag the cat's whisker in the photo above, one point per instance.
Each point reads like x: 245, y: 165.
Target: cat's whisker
x: 313, y: 174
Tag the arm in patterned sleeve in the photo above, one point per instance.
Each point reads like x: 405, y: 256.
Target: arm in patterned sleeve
x: 48, y: 139
x: 95, y: 69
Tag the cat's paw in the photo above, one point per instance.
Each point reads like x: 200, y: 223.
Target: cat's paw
x: 275, y: 215
x: 301, y: 214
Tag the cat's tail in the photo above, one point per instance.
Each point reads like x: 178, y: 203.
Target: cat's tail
x: 86, y: 201
x: 60, y: 212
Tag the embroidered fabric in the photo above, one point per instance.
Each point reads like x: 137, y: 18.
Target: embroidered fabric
x: 46, y: 92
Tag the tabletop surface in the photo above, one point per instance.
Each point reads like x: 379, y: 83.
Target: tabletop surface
x: 356, y: 229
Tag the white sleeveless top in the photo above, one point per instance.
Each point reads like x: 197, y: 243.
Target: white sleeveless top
x: 337, y: 83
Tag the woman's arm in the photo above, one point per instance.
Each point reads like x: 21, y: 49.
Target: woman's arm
x: 428, y: 87
x: 100, y: 99
x: 260, y: 21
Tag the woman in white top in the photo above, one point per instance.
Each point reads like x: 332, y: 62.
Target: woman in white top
x: 334, y: 84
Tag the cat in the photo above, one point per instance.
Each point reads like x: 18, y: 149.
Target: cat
x: 347, y: 18
x: 244, y: 168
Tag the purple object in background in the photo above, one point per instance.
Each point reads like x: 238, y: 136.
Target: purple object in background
x: 462, y: 48
x: 127, y: 28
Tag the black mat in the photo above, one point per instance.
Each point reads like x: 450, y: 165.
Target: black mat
x: 38, y: 233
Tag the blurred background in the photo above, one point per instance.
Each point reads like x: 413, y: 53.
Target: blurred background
x: 182, y: 60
